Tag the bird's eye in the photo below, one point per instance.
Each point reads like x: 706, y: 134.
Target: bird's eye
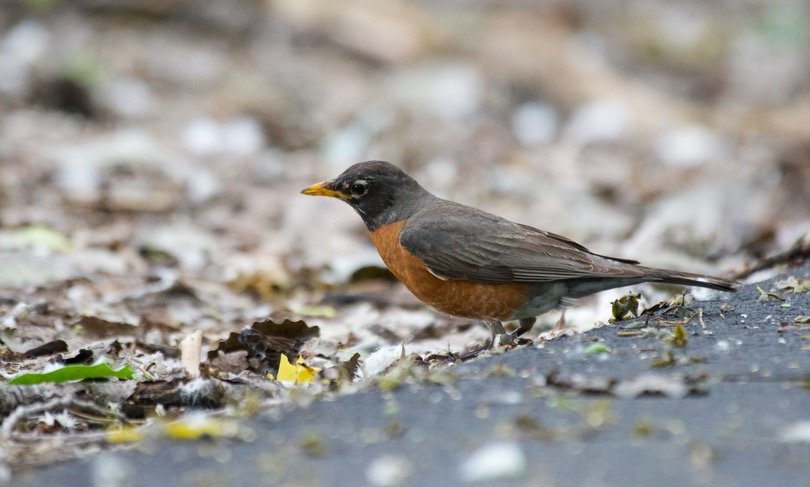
x: 358, y: 188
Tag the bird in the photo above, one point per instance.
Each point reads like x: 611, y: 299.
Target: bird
x: 469, y: 263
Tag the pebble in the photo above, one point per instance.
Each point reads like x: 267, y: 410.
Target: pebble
x: 348, y: 144
x: 500, y: 460
x: 379, y: 360
x: 450, y: 91
x: 111, y: 470
x: 241, y: 136
x: 202, y: 137
x: 534, y: 123
x: 599, y: 121
x: 798, y: 432
x: 129, y: 97
x: 23, y: 46
x: 440, y: 172
x: 388, y: 470
x: 202, y: 185
x: 690, y: 146
x: 672, y: 387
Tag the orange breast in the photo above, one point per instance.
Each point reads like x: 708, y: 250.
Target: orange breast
x: 459, y: 298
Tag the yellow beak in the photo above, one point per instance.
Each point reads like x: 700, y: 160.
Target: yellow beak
x: 324, y: 189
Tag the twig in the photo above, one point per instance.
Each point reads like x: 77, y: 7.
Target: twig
x: 7, y: 427
x: 68, y: 401
x: 799, y: 252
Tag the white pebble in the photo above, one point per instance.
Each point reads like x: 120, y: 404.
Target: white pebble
x: 534, y: 123
x: 798, y: 432
x: 450, y: 91
x: 202, y: 185
x: 203, y: 137
x: 243, y: 136
x: 494, y: 461
x: 689, y: 146
x: 600, y: 121
x: 347, y: 144
x: 110, y: 470
x: 240, y: 136
x: 23, y: 46
x: 129, y: 97
x: 388, y: 471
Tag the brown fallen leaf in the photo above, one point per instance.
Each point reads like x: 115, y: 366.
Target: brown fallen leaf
x: 264, y: 342
x: 101, y: 328
x: 50, y: 348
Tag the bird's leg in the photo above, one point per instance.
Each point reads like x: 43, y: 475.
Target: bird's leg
x: 526, y: 324
x: 496, y: 328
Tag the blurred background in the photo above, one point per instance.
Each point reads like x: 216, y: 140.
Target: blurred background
x: 141, y: 134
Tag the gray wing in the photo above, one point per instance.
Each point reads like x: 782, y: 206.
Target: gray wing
x: 460, y: 242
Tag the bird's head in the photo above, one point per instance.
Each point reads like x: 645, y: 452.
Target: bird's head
x: 379, y: 192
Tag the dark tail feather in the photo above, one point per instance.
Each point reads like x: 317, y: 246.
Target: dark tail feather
x: 689, y: 279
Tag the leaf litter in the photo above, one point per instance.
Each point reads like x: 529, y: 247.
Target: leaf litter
x: 119, y: 239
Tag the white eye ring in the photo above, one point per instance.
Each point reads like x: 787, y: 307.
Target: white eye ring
x: 358, y: 188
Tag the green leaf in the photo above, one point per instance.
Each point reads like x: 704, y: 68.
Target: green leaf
x: 67, y: 373
x: 41, y: 236
x: 768, y: 296
x: 596, y: 348
x: 679, y: 336
x: 316, y: 311
x: 624, y: 307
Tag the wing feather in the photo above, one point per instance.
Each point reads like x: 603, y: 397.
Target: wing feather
x: 460, y: 242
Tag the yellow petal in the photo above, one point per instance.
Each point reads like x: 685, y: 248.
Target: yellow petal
x: 196, y: 427
x: 126, y: 434
x: 305, y: 373
x: 286, y: 371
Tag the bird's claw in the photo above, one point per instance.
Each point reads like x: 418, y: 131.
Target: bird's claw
x: 506, y: 339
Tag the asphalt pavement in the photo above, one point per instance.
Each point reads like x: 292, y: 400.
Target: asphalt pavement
x: 625, y: 404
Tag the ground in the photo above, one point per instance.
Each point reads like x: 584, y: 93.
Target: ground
x: 729, y: 408
x: 162, y: 279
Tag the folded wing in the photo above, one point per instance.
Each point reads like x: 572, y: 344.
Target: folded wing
x: 460, y: 242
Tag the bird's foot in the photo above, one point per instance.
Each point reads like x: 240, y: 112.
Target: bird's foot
x: 525, y: 324
x: 487, y: 346
x: 495, y: 327
x: 506, y: 339
x: 475, y: 352
x: 500, y: 338
x: 497, y: 331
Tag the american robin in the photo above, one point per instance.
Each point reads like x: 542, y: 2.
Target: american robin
x: 470, y: 263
